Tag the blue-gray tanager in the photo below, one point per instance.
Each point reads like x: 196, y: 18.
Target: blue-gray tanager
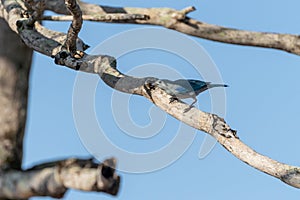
x: 184, y: 88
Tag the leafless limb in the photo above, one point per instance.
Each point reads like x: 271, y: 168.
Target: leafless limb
x: 75, y: 26
x: 179, y: 21
x: 53, y: 179
x: 106, y: 68
x: 119, y: 17
x: 35, y: 9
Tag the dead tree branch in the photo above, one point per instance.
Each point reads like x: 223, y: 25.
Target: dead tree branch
x: 118, y: 17
x: 179, y: 21
x: 53, y: 179
x: 75, y: 26
x: 106, y: 68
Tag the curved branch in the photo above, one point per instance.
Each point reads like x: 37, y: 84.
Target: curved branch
x: 75, y: 26
x: 177, y: 20
x: 105, y: 67
x: 53, y: 179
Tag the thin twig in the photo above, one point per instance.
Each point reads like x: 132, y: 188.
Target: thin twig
x: 118, y: 17
x: 188, y: 10
x: 75, y: 26
x: 177, y: 20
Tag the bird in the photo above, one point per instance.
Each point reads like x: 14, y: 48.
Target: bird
x: 185, y: 88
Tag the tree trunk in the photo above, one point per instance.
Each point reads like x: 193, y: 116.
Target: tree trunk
x: 15, y: 62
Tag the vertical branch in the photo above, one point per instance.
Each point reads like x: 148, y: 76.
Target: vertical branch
x: 35, y: 9
x: 75, y: 26
x: 15, y: 61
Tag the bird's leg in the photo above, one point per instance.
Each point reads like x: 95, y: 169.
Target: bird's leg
x: 195, y: 100
x: 190, y: 107
x: 148, y: 86
x: 150, y: 83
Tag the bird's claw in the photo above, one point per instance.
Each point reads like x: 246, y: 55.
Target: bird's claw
x: 150, y: 84
x: 187, y: 109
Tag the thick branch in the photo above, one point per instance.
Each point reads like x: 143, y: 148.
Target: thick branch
x: 15, y: 62
x: 105, y: 67
x: 53, y: 179
x: 40, y: 39
x: 217, y: 127
x: 177, y: 20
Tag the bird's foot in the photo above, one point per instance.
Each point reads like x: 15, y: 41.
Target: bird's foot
x: 150, y: 84
x: 187, y: 109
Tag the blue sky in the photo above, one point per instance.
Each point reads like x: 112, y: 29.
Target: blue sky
x: 261, y: 103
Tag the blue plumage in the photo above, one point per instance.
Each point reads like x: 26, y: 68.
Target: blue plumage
x: 182, y: 88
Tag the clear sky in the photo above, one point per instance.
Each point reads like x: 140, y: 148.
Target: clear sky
x: 261, y: 103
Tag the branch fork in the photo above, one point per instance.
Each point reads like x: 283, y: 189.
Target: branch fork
x: 50, y: 44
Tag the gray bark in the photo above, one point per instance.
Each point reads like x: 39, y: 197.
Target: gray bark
x: 15, y: 62
x: 49, y: 179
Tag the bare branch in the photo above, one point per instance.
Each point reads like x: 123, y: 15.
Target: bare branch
x: 15, y: 62
x: 35, y: 10
x: 57, y: 6
x: 75, y: 27
x: 119, y: 17
x: 106, y: 68
x: 39, y: 38
x: 177, y: 20
x: 53, y: 179
x: 188, y: 10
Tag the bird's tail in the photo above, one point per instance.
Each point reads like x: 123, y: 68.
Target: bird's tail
x: 211, y: 85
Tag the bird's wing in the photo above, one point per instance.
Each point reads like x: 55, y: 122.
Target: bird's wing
x: 197, y: 85
x: 181, y: 90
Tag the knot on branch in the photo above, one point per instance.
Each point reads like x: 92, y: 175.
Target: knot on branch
x: 105, y: 65
x: 65, y: 58
x: 108, y: 168
x: 220, y: 127
x: 110, y: 178
x: 181, y: 15
x: 24, y: 24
